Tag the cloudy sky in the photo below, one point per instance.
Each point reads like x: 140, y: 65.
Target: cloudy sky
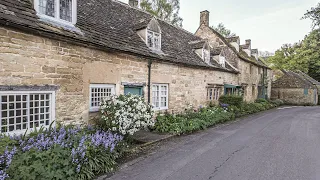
x: 268, y: 23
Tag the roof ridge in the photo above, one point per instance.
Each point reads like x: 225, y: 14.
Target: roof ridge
x: 141, y: 10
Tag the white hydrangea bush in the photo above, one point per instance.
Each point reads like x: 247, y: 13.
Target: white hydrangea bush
x: 126, y: 114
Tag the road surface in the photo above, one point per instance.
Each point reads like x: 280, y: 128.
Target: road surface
x: 280, y: 144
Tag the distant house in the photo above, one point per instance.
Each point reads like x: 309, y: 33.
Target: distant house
x: 255, y: 77
x: 296, y: 88
x: 59, y: 59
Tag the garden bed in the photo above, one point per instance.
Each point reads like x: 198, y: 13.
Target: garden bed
x: 202, y: 118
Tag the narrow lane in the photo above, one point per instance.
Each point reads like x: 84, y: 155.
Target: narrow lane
x: 278, y: 144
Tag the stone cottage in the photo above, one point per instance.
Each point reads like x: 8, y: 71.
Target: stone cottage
x: 59, y: 58
x: 254, y: 78
x: 296, y: 88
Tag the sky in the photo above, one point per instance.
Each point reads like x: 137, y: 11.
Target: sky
x: 268, y: 23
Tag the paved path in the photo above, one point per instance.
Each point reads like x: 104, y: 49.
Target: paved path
x: 281, y: 144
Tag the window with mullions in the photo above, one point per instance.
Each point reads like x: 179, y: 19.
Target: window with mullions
x: 160, y: 96
x: 153, y: 40
x: 21, y: 111
x: 61, y: 10
x: 97, y: 93
x: 213, y: 93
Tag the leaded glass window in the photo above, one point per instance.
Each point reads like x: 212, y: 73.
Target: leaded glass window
x: 66, y: 10
x: 98, y: 92
x: 153, y: 40
x: 21, y: 111
x: 63, y: 11
x: 160, y: 96
x: 47, y: 7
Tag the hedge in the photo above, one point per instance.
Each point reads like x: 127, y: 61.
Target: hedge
x: 232, y: 100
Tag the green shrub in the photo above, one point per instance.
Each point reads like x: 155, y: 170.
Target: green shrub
x: 192, y: 121
x: 277, y: 102
x: 232, y: 100
x: 261, y: 100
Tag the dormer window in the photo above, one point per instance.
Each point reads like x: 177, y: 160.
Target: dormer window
x: 222, y: 61
x: 153, y: 40
x: 64, y: 11
x: 206, y: 53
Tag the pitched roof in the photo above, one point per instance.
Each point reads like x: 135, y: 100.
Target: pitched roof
x: 310, y: 79
x: 241, y: 54
x: 292, y: 79
x: 109, y: 25
x: 232, y: 39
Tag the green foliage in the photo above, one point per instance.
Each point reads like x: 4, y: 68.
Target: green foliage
x: 55, y: 163
x: 224, y: 31
x: 192, y: 121
x: 167, y: 10
x: 64, y: 152
x: 314, y: 15
x: 232, y: 100
x: 303, y: 56
x: 277, y: 102
x: 261, y: 100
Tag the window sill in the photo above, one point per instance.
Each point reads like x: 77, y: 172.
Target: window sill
x: 59, y: 23
x: 160, y: 109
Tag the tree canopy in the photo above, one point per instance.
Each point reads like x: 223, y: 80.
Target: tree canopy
x: 223, y: 30
x: 314, y: 15
x: 303, y: 56
x: 167, y: 10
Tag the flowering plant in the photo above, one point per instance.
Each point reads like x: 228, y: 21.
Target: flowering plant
x: 126, y: 114
x: 59, y: 153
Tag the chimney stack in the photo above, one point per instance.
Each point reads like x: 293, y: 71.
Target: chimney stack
x: 204, y: 18
x: 248, y: 42
x: 134, y: 3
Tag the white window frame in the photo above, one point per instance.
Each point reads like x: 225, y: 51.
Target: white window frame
x: 96, y: 108
x: 161, y: 96
x: 206, y: 55
x: 153, y: 39
x: 57, y: 12
x: 52, y: 106
x: 222, y: 61
x: 215, y: 93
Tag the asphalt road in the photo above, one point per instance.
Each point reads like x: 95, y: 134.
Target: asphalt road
x: 281, y: 144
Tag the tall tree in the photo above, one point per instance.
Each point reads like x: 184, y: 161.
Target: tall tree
x: 223, y: 30
x: 303, y: 56
x: 314, y: 15
x: 167, y: 10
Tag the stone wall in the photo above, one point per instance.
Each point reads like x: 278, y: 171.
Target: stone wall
x: 27, y: 59
x: 246, y: 78
x: 294, y: 96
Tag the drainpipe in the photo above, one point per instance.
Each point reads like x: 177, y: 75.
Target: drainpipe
x: 149, y: 79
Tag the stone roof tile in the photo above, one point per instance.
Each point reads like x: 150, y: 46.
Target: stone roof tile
x: 108, y: 25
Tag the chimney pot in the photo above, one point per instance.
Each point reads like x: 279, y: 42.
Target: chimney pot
x: 134, y: 3
x: 204, y: 18
x: 248, y: 42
